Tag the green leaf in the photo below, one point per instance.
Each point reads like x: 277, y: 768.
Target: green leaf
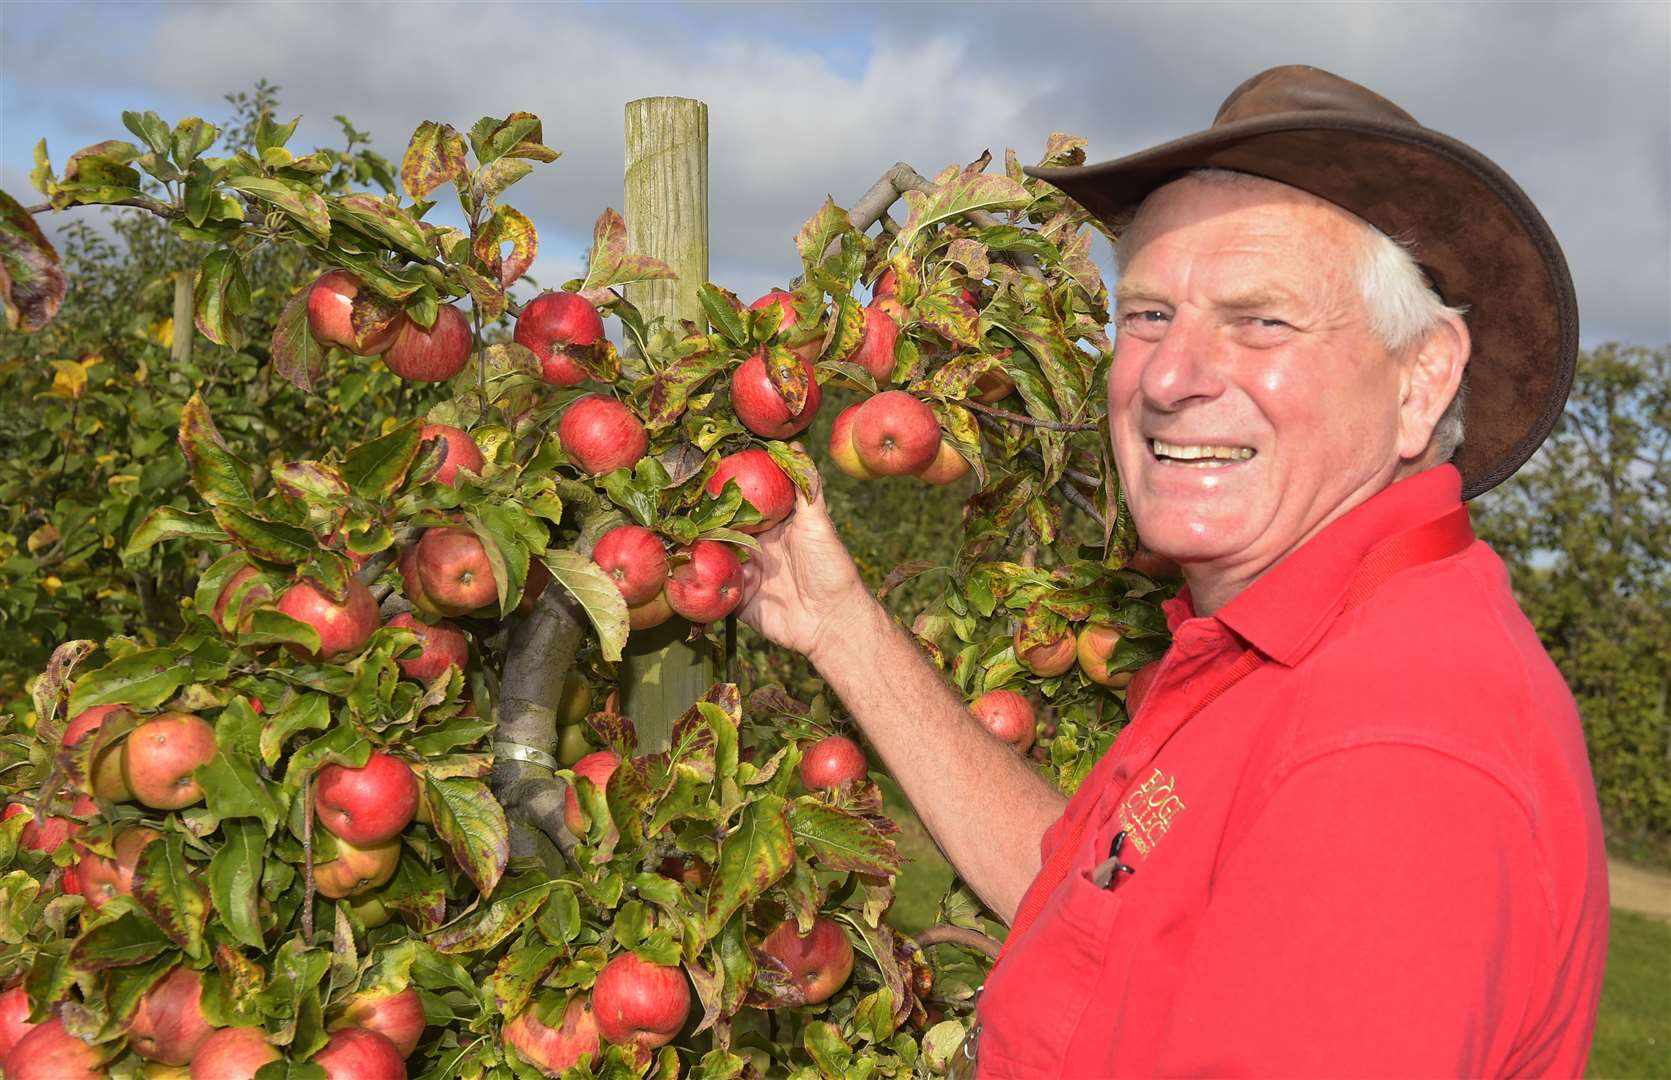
x: 192, y: 136
x: 374, y: 470
x: 840, y: 840
x: 472, y: 824
x: 217, y: 474
x: 383, y: 221
x: 434, y: 156
x: 232, y: 787
x: 828, y: 1050
x: 151, y: 128
x: 587, y: 582
x: 235, y: 880
x: 299, y: 202
x: 164, y: 886
x: 758, y: 851
x: 268, y: 626
x: 609, y: 263
x: 956, y: 199
x: 518, y: 135
x: 726, y: 313
x: 144, y: 680
x: 171, y: 523
x: 828, y: 226
x: 129, y: 939
x: 273, y: 541
x: 297, y: 357
x: 32, y: 282
x: 304, y: 712
x: 500, y: 175
x: 487, y: 926
x: 222, y: 297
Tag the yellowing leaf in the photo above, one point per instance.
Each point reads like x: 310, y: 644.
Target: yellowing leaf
x: 52, y: 584
x: 42, y: 537
x: 69, y: 380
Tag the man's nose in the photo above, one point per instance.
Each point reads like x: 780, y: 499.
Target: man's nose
x: 1185, y: 365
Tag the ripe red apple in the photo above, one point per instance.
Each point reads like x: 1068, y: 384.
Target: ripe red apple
x: 343, y: 628
x: 399, y: 1017
x: 359, y: 1054
x: 597, y: 768
x: 162, y: 754
x: 555, y: 1049
x: 876, y: 348
x: 602, y: 435
x: 51, y: 1053
x: 46, y: 836
x: 831, y: 762
x: 842, y: 451
x: 789, y: 320
x: 707, y: 585
x: 818, y: 963
x: 653, y: 612
x: 331, y: 310
x: 412, y: 582
x: 454, y: 570
x: 433, y: 355
x: 948, y: 466
x: 551, y: 321
x: 107, y: 781
x: 369, y: 805
x: 1051, y: 658
x: 895, y: 434
x: 1138, y: 688
x: 233, y: 1053
x: 101, y: 878
x: 169, y: 1025
x: 532, y: 585
x: 992, y: 386
x: 14, y: 1018
x: 762, y: 409
x: 640, y: 1004
x: 1007, y: 715
x: 356, y: 870
x: 886, y: 285
x: 444, y: 646
x: 763, y: 483
x: 462, y: 452
x: 1095, y: 648
x: 634, y: 559
x: 249, y: 598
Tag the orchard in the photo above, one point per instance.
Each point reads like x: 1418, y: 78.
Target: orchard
x: 377, y: 809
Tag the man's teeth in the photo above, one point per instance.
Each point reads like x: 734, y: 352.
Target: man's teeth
x: 1178, y: 452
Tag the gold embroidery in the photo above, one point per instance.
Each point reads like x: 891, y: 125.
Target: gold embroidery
x: 1149, y: 810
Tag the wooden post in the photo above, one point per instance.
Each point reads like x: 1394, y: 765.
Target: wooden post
x: 666, y: 210
x: 185, y: 328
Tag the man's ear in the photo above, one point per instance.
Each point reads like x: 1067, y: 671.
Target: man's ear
x: 1431, y: 378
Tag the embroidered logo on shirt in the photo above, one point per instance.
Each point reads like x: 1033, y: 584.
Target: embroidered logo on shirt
x: 1149, y: 810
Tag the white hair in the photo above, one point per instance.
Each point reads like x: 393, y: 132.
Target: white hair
x: 1403, y: 309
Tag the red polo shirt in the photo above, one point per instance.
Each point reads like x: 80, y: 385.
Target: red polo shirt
x: 1377, y: 852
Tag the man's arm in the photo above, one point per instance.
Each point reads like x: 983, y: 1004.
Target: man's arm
x: 984, y: 805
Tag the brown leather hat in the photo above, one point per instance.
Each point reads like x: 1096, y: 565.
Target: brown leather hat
x: 1476, y: 234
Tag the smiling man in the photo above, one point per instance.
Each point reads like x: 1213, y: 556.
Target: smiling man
x: 1352, y: 829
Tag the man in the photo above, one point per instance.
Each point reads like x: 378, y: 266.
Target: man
x: 1352, y: 829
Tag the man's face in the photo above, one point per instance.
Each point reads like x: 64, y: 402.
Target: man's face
x: 1249, y: 402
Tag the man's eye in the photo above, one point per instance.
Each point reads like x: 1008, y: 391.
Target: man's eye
x: 1270, y: 324
x: 1148, y: 315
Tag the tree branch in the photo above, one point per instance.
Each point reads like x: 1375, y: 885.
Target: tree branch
x: 1024, y: 419
x: 958, y: 935
x: 142, y: 203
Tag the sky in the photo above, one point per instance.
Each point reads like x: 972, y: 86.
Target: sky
x: 807, y: 100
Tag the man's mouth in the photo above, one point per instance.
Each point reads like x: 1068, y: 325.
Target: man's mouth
x: 1199, y: 455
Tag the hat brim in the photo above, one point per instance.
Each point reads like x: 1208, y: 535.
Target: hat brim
x: 1482, y: 243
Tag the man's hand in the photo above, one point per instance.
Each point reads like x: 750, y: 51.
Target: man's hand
x: 802, y: 582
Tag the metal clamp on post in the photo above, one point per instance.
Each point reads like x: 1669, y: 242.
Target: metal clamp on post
x: 532, y: 755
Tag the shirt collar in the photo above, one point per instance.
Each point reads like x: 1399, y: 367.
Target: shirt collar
x: 1287, y: 610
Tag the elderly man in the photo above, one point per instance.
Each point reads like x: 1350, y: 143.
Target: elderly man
x: 1352, y: 828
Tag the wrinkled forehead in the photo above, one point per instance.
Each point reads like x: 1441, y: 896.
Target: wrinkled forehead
x: 1277, y: 210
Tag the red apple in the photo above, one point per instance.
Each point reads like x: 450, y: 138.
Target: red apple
x: 818, y: 963
x: 532, y: 585
x: 369, y: 805
x: 161, y: 756
x: 14, y: 1018
x: 1051, y: 658
x: 169, y: 1025
x: 412, y: 582
x: 343, y: 628
x: 635, y: 561
x: 555, y: 1049
x: 101, y: 878
x: 462, y: 452
x: 444, y: 646
x: 842, y: 451
x: 331, y: 302
x: 597, y: 768
x: 602, y: 435
x: 763, y: 483
x: 46, y: 836
x: 51, y: 1053
x: 895, y: 434
x: 1138, y: 688
x: 948, y: 466
x: 106, y: 780
x: 789, y: 320
x: 886, y: 285
x: 762, y: 408
x: 1007, y: 715
x: 399, y: 1017
x: 876, y: 348
x: 708, y: 584
x: 1095, y: 648
x: 356, y: 870
x: 248, y: 599
x: 652, y: 613
x: 433, y: 355
x: 233, y: 1053
x: 640, y: 1004
x: 553, y: 320
x: 359, y: 1054
x: 456, y: 576
x: 831, y: 762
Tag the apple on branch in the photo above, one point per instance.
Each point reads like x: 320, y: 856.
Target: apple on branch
x: 597, y: 768
x: 552, y: 1050
x: 343, y: 312
x: 51, y: 1053
x: 842, y: 451
x: 819, y: 963
x: 788, y: 321
x: 248, y: 597
x: 831, y: 762
x: 100, y: 877
x: 1007, y: 715
x: 635, y: 561
x: 433, y: 355
x: 895, y: 434
x: 360, y: 1054
x: 947, y: 467
x: 444, y: 646
x: 14, y: 1018
x: 763, y: 483
x: 601, y: 435
x: 876, y: 347
x: 640, y: 1004
x: 161, y: 757
x: 707, y: 584
x: 233, y: 1053
x: 342, y: 627
x: 1095, y: 649
x: 357, y: 870
x: 454, y: 573
x: 550, y: 323
x: 370, y: 805
x: 761, y: 406
x: 462, y: 452
x: 397, y: 1016
x: 1051, y: 658
x: 169, y: 1025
